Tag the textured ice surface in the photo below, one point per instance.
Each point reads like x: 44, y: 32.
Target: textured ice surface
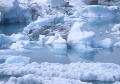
x: 17, y: 59
x: 76, y: 71
x: 34, y: 79
x: 19, y: 37
x: 106, y: 43
x: 83, y: 39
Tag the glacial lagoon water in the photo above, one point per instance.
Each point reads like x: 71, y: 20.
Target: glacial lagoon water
x: 102, y: 30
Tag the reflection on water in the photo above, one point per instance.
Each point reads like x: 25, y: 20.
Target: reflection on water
x: 44, y: 55
x: 75, y: 55
x: 9, y: 29
x: 102, y: 29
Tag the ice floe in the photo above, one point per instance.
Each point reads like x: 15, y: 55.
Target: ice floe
x: 76, y: 71
x: 106, y: 43
x: 41, y: 80
x: 81, y: 38
x: 17, y: 59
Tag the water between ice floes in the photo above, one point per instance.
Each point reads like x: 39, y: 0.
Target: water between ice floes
x: 46, y: 54
x: 102, y: 30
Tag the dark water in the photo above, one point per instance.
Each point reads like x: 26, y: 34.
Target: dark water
x: 9, y: 29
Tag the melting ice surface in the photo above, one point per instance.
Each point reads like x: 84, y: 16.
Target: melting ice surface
x: 102, y: 29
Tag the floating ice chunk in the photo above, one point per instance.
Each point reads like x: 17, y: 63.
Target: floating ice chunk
x: 80, y: 39
x: 117, y: 82
x: 59, y: 46
x: 106, y: 43
x: 19, y: 45
x: 59, y: 42
x: 2, y: 82
x: 76, y: 35
x: 41, y: 39
x: 18, y: 37
x: 17, y: 59
x: 50, y: 40
x: 27, y: 79
x: 5, y: 41
x: 117, y: 44
x: 116, y: 29
x: 5, y: 5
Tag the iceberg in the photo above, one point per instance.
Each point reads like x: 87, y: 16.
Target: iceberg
x: 117, y: 82
x: 116, y: 29
x: 82, y: 38
x: 59, y: 42
x: 19, y: 37
x: 50, y: 40
x: 6, y: 5
x: 16, y: 14
x: 23, y: 45
x: 106, y: 43
x: 17, y: 59
x: 19, y: 45
x: 21, y: 11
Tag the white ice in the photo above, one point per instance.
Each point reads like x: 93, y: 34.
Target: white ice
x: 81, y: 38
x: 106, y: 43
x: 17, y: 59
x: 73, y: 71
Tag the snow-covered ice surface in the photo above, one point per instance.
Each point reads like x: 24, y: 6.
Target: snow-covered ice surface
x: 17, y: 59
x: 73, y: 71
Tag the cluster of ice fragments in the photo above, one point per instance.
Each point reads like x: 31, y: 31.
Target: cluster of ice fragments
x: 35, y: 73
x: 58, y: 30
